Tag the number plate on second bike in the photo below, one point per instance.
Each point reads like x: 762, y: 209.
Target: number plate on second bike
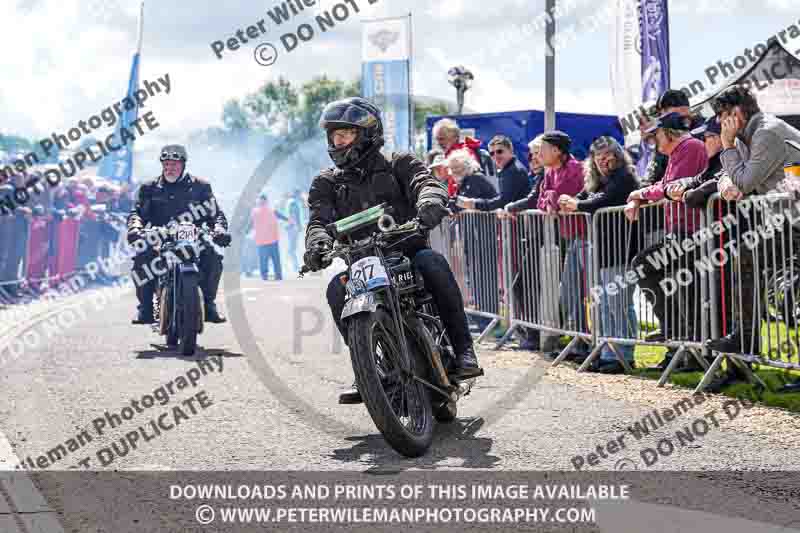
x: 370, y: 271
x: 187, y: 232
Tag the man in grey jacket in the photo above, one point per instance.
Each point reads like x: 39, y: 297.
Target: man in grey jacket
x: 756, y: 170
x: 764, y: 136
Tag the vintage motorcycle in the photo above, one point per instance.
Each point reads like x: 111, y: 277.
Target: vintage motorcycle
x: 178, y: 301
x: 400, y: 352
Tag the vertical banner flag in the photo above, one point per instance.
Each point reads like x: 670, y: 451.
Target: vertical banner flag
x: 385, y: 74
x: 626, y: 63
x: 118, y: 165
x: 655, y: 55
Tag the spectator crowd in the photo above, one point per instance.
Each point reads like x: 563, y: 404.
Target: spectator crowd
x: 58, y: 231
x: 738, y: 152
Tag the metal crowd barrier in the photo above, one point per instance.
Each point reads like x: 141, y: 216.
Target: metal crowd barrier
x: 646, y: 280
x: 470, y: 241
x: 13, y: 239
x: 548, y: 262
x: 693, y: 274
x: 755, y: 280
x: 40, y: 252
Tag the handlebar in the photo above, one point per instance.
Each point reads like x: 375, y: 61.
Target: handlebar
x: 340, y: 250
x: 162, y: 233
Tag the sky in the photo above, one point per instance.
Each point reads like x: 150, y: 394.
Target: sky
x: 65, y: 60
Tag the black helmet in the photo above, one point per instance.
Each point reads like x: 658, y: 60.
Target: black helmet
x: 355, y: 113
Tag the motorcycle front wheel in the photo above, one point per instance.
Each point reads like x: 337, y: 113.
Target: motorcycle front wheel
x: 399, y: 405
x: 190, y: 308
x: 165, y: 316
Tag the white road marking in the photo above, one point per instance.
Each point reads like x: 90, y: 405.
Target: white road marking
x: 24, y: 495
x: 8, y: 459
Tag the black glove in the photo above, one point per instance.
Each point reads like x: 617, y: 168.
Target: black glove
x: 431, y: 213
x: 221, y: 237
x: 313, y: 258
x: 134, y: 235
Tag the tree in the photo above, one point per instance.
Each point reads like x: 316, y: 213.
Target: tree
x: 278, y: 108
x: 234, y: 116
x: 15, y: 143
x: 423, y: 110
x: 318, y: 93
x: 273, y: 106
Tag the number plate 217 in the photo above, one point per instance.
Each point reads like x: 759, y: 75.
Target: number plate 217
x: 370, y: 271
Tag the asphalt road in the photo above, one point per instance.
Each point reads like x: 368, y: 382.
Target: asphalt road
x: 230, y: 418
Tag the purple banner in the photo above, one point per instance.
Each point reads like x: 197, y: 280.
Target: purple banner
x: 654, y: 27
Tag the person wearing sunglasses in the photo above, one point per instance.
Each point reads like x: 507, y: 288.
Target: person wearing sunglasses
x: 512, y: 178
x: 175, y: 195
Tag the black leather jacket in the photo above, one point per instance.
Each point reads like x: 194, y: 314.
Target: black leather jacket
x: 700, y: 188
x: 158, y: 202
x: 402, y: 182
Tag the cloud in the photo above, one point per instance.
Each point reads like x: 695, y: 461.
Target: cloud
x: 782, y: 5
x: 71, y: 58
x: 445, y: 11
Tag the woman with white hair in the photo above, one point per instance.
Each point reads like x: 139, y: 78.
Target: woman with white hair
x: 470, y: 181
x: 447, y: 134
x: 609, y: 177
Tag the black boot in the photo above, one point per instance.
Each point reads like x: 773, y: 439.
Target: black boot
x: 733, y: 343
x: 467, y: 365
x: 212, y: 314
x: 664, y: 362
x: 605, y: 366
x: 790, y: 387
x: 529, y: 339
x: 351, y: 396
x: 144, y: 293
x: 732, y: 375
x: 143, y: 317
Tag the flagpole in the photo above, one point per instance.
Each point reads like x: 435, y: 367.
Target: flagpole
x: 550, y: 68
x: 411, y: 119
x: 138, y: 56
x: 140, y: 29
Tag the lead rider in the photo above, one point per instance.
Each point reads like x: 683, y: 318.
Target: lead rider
x: 362, y: 178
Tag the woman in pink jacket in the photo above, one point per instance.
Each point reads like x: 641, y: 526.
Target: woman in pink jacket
x: 564, y: 175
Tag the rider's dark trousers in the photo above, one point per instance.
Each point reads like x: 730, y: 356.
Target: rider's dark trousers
x: 439, y: 281
x: 210, y: 274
